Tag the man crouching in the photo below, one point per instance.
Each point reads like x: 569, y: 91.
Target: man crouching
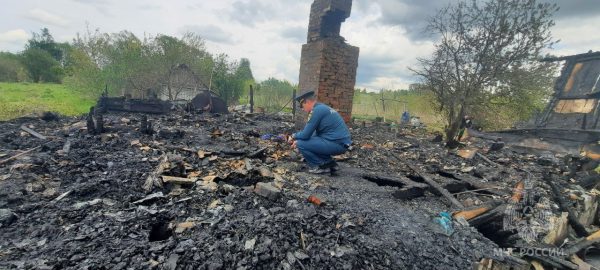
x: 324, y: 135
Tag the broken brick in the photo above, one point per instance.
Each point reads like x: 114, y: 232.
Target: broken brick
x: 267, y: 190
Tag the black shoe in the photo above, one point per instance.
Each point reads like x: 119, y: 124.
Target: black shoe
x: 332, y: 165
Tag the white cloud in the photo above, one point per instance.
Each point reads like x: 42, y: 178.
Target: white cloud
x: 210, y: 32
x: 13, y: 40
x: 577, y: 35
x: 14, y: 36
x: 44, y: 16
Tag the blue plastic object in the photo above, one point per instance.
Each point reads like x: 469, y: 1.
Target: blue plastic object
x: 273, y: 137
x: 405, y: 117
x: 445, y: 221
x: 267, y: 136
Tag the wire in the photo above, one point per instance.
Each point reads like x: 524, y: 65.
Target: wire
x: 271, y: 114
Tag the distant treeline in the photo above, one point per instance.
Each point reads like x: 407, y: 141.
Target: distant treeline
x: 127, y: 64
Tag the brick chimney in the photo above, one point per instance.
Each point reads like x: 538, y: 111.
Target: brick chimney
x: 328, y: 65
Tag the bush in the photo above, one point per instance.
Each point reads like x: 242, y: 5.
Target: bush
x: 41, y: 66
x: 11, y: 69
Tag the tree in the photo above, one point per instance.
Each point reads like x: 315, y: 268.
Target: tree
x: 42, y: 58
x: 11, y: 68
x: 243, y: 74
x: 177, y: 58
x: 44, y: 41
x: 224, y: 79
x: 161, y: 65
x: 41, y: 66
x: 273, y: 94
x: 480, y: 43
x: 525, y: 91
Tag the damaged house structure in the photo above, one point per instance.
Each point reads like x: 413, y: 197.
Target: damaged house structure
x: 569, y: 124
x: 183, y: 87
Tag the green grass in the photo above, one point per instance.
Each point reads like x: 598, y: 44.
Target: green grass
x: 368, y: 106
x: 20, y: 99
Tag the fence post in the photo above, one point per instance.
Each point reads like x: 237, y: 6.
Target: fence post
x: 294, y: 103
x: 251, y: 99
x: 383, y: 105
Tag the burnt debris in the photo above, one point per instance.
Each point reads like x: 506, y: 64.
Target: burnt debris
x: 208, y: 191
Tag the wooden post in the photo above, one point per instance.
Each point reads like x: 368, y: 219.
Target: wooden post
x: 251, y: 99
x: 294, y: 103
x: 383, y: 105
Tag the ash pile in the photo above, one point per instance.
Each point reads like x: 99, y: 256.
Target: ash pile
x: 188, y: 191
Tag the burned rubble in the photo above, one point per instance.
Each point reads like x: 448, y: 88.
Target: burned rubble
x: 209, y: 191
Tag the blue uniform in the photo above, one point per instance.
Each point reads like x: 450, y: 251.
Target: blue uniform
x: 324, y: 135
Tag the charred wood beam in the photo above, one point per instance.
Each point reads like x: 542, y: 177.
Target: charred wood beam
x: 396, y: 181
x: 475, y: 183
x: 408, y: 188
x: 234, y: 153
x: 91, y: 127
x: 179, y: 180
x: 20, y: 154
x: 454, y: 202
x: 487, y: 160
x: 146, y: 126
x: 154, y: 179
x: 584, y: 243
x: 477, y: 134
x: 555, y: 262
x: 488, y: 216
x: 33, y: 133
x: 99, y: 128
x: 257, y: 153
x: 575, y: 224
x: 575, y: 58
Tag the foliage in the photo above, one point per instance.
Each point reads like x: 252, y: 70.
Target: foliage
x: 43, y: 58
x: 368, y: 105
x: 161, y: 65
x: 525, y: 93
x: 19, y: 99
x: 272, y: 94
x: 11, y: 68
x: 482, y: 44
x: 41, y: 66
x: 45, y: 42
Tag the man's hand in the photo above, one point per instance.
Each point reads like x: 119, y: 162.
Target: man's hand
x: 290, y: 138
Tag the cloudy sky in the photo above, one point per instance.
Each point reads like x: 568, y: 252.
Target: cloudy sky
x: 271, y: 32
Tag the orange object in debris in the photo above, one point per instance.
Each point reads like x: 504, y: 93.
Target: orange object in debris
x: 469, y: 214
x: 367, y: 146
x: 593, y: 236
x: 314, y: 200
x: 518, y: 193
